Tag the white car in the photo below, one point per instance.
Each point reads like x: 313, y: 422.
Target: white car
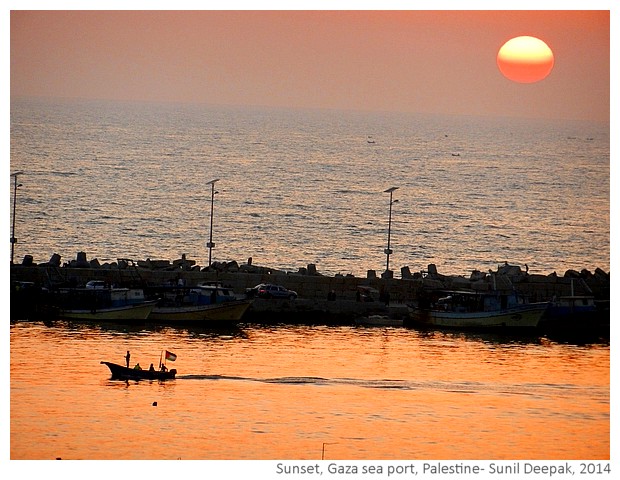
x: 268, y: 290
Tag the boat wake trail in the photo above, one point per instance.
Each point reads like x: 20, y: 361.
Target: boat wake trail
x: 391, y: 384
x: 468, y: 388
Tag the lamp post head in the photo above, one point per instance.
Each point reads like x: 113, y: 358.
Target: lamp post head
x: 390, y: 190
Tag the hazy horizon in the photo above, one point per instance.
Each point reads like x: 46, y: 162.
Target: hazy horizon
x: 437, y: 62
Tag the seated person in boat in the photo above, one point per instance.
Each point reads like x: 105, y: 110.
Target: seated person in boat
x: 137, y: 367
x: 151, y: 368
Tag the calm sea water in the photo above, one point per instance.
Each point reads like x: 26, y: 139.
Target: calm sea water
x: 120, y: 180
x: 130, y: 181
x: 288, y: 392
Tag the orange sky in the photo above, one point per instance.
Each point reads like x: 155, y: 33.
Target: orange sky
x: 415, y: 61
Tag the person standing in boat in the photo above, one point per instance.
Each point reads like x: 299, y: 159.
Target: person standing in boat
x: 127, y: 358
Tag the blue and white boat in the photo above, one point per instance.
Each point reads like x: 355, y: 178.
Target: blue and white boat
x: 464, y: 309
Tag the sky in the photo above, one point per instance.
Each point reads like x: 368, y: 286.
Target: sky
x: 419, y: 61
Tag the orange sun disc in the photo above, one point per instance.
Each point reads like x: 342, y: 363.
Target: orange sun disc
x: 525, y: 59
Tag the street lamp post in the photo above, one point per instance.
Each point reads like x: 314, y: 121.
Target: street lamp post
x: 13, y: 239
x: 388, y: 250
x: 211, y: 245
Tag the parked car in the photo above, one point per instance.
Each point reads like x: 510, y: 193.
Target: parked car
x: 268, y: 290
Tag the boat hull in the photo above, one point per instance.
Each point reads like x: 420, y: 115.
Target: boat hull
x: 203, y: 315
x: 526, y: 316
x: 120, y: 372
x: 139, y: 311
x: 575, y: 314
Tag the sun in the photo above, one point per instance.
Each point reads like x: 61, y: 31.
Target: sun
x: 525, y: 59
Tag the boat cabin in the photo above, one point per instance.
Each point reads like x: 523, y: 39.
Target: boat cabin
x: 472, y: 301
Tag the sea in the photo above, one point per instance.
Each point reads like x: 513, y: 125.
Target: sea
x: 297, y: 187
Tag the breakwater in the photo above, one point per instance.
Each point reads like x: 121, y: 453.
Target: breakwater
x: 334, y: 297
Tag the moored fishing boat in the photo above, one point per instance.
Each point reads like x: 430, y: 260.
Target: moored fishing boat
x: 574, y: 314
x: 98, y: 301
x: 126, y: 312
x: 478, y: 310
x: 230, y: 312
x: 203, y: 305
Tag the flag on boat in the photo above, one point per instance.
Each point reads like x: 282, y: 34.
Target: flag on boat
x: 170, y: 356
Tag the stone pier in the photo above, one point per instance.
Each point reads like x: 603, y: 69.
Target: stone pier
x: 328, y: 296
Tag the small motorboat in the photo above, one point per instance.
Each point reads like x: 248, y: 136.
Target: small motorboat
x: 379, y: 321
x: 121, y: 372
